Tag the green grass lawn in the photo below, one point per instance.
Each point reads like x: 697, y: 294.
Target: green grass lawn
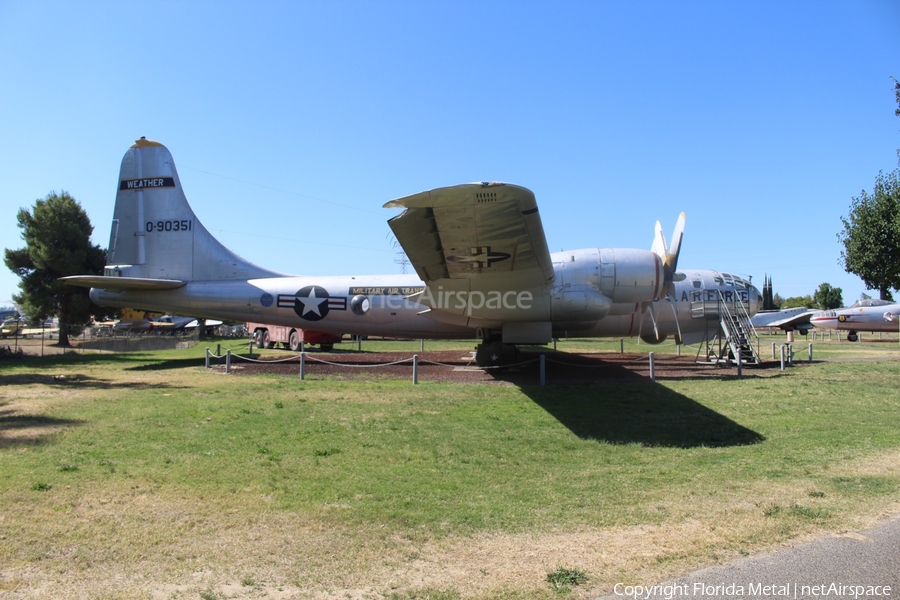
x: 166, y: 469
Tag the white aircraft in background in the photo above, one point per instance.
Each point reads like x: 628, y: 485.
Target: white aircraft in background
x: 865, y: 315
x: 483, y: 270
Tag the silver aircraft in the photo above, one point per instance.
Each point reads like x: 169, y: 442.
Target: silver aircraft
x: 483, y: 271
x: 865, y: 315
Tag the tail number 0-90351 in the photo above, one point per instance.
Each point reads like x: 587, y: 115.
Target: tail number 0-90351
x: 183, y: 225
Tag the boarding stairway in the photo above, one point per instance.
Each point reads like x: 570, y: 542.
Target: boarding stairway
x: 736, y: 339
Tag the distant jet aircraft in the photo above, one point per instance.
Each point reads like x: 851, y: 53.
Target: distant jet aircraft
x: 11, y: 326
x: 865, y: 315
x: 164, y: 324
x: 483, y: 270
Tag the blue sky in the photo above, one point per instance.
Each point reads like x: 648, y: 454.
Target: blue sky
x: 291, y: 123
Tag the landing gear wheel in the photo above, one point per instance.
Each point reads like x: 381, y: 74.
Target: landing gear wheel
x: 266, y: 340
x: 258, y: 338
x: 852, y: 337
x: 496, y: 354
x: 294, y: 343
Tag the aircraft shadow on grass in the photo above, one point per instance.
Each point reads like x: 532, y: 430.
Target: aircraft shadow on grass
x: 18, y: 430
x: 622, y: 407
x: 78, y: 381
x: 173, y: 363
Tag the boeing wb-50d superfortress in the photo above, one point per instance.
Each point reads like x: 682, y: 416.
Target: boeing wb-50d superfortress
x: 483, y: 270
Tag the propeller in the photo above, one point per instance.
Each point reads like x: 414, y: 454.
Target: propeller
x: 669, y: 255
x: 669, y: 258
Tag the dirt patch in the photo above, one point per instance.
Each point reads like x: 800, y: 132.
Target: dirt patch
x: 457, y: 366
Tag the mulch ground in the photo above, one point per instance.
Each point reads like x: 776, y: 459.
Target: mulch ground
x: 457, y: 367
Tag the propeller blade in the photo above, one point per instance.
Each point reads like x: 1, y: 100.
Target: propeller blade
x: 675, y: 312
x: 641, y: 322
x: 673, y: 251
x: 653, y: 319
x: 658, y: 246
x: 647, y: 307
x: 669, y: 255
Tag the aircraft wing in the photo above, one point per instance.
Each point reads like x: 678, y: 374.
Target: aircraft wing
x: 117, y: 284
x: 485, y: 232
x: 787, y: 320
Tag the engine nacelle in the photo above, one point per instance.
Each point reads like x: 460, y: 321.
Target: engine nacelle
x: 620, y: 275
x: 630, y: 274
x: 579, y: 303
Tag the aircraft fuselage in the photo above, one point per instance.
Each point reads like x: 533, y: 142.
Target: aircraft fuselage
x: 380, y: 305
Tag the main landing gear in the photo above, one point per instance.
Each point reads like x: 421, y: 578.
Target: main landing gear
x: 494, y: 353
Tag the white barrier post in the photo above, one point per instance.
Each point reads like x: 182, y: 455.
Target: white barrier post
x: 302, y: 365
x: 415, y: 369
x: 810, y: 352
x: 652, y: 369
x: 228, y: 361
x: 782, y: 357
x: 207, y: 357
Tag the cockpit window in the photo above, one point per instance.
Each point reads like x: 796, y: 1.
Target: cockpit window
x: 870, y: 302
x: 718, y: 280
x: 698, y: 284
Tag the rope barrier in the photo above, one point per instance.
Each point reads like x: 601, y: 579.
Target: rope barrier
x: 250, y: 359
x: 339, y: 364
x: 568, y: 364
x: 518, y: 364
x: 416, y: 360
x: 421, y: 361
x: 267, y: 362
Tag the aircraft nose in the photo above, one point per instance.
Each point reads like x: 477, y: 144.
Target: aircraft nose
x: 756, y: 299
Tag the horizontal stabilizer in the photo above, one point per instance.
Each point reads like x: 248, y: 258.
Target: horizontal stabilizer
x: 118, y: 284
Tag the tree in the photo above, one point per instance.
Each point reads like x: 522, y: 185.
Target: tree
x: 797, y: 301
x: 897, y: 95
x: 768, y: 299
x: 57, y: 236
x: 871, y: 236
x: 827, y: 297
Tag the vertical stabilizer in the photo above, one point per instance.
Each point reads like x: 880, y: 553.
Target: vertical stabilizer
x: 156, y: 235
